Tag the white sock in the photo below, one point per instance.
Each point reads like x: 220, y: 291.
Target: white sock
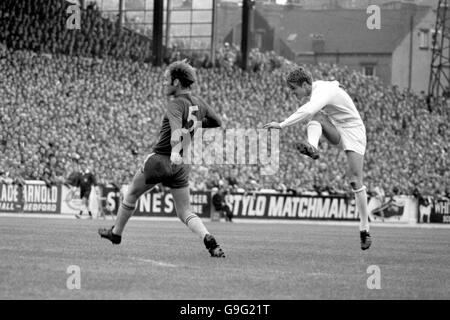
x: 196, y: 225
x: 361, y: 206
x: 314, y: 130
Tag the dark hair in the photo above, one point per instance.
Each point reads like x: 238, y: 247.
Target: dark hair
x: 299, y: 76
x: 182, y: 71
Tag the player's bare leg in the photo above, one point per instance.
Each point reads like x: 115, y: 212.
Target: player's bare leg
x: 137, y: 188
x: 355, y: 171
x: 193, y: 222
x: 355, y: 174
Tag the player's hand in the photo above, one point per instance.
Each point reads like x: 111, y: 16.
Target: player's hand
x: 176, y: 158
x: 272, y: 125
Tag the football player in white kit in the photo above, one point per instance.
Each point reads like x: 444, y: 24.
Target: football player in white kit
x: 330, y: 111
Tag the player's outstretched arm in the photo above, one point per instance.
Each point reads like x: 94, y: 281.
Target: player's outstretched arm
x: 272, y: 125
x: 305, y: 112
x: 212, y: 119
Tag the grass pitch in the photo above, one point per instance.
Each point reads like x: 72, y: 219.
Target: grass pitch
x: 164, y: 260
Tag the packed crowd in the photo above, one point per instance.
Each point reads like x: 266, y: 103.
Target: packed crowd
x: 62, y: 103
x: 57, y: 110
x: 42, y: 26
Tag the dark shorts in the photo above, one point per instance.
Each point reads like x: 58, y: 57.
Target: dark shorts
x: 158, y: 169
x: 84, y: 193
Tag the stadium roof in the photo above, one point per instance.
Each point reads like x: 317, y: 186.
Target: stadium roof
x: 342, y: 30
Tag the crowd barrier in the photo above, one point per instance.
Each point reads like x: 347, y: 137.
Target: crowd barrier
x: 37, y: 197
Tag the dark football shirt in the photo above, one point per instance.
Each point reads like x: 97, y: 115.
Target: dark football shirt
x: 181, y: 114
x: 86, y: 180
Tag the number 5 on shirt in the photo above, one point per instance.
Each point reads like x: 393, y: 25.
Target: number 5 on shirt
x: 192, y: 119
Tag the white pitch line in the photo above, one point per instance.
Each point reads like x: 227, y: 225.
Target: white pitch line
x: 157, y: 263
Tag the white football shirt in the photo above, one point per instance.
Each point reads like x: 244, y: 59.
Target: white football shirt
x: 328, y: 97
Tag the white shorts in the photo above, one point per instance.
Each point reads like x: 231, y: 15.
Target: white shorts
x: 353, y: 138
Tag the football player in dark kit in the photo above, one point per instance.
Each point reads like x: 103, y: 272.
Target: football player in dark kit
x: 85, y: 180
x: 185, y: 113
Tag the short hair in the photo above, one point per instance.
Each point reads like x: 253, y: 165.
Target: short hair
x: 299, y: 76
x: 182, y: 71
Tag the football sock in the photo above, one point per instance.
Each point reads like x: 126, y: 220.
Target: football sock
x: 314, y: 130
x: 123, y: 215
x: 196, y: 225
x: 361, y: 206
